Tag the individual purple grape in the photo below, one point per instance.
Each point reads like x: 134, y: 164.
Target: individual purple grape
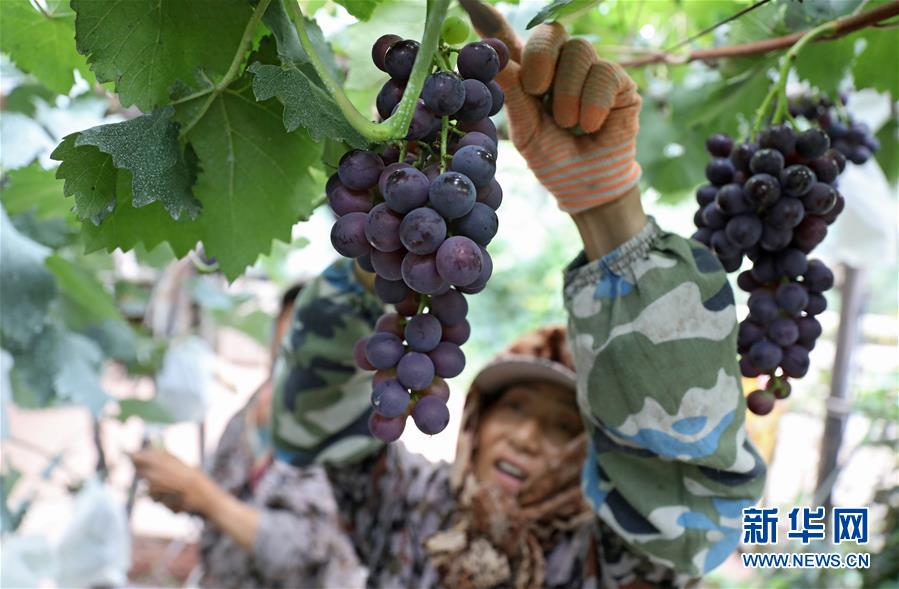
x: 423, y: 123
x: 820, y: 198
x: 420, y: 273
x: 391, y: 323
x: 431, y: 171
x: 452, y: 195
x: 458, y: 333
x: 703, y: 235
x: 498, y: 98
x: 720, y: 171
x: 422, y: 231
x: 390, y: 155
x: 400, y: 58
x: 744, y: 231
x: 730, y: 199
x: 838, y: 158
x: 379, y: 49
x: 501, y: 50
x: 423, y: 333
x: 796, y: 180
x: 478, y: 102
x: 779, y: 137
x: 764, y: 270
x: 459, y: 260
x: 747, y: 282
x: 477, y: 139
x: 783, y: 331
x: 360, y: 170
x: 389, y: 96
x: 475, y: 162
x: 491, y: 195
x: 817, y: 277
x: 786, y: 213
x: 825, y: 169
x: 484, y: 126
x: 348, y: 235
x: 481, y: 281
x: 809, y: 233
x: 722, y: 246
x: 747, y: 369
x: 791, y: 263
x: 479, y: 225
x: 408, y: 307
x: 765, y: 355
x: 732, y: 263
x: 450, y: 308
x: 762, y: 306
x: 478, y: 61
x: 748, y: 333
x: 831, y: 215
x: 431, y: 415
x: 382, y: 228
x: 760, y: 402
x: 438, y: 388
x: 388, y: 264
x: 390, y: 291
x: 384, y: 350
x: 390, y: 398
x: 388, y: 170
x: 385, y: 429
x: 774, y: 239
x: 406, y: 189
x: 443, y: 93
x: 762, y: 190
x: 359, y: 354
x: 343, y: 200
x: 809, y: 331
x: 706, y: 194
x: 448, y: 359
x: 812, y: 143
x: 719, y: 145
x: 817, y: 304
x: 415, y: 371
x: 795, y: 361
x: 365, y: 262
x: 792, y: 298
x: 767, y: 161
x: 713, y: 217
x: 741, y: 155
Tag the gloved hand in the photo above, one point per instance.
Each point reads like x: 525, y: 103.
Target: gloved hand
x: 582, y: 170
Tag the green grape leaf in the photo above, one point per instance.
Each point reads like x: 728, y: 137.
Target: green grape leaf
x: 22, y: 98
x: 34, y: 189
x: 88, y: 296
x: 361, y: 9
x: 888, y: 154
x: 148, y: 147
x: 290, y: 50
x: 823, y: 65
x: 90, y: 176
x: 147, y: 410
x: 55, y: 232
x: 34, y: 369
x: 872, y: 68
x: 26, y: 287
x: 560, y: 8
x: 78, y: 378
x: 41, y: 44
x: 305, y: 104
x: 145, y: 46
x: 128, y: 226
x: 255, y: 182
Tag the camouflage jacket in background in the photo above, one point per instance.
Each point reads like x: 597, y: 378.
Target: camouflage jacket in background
x: 652, y: 326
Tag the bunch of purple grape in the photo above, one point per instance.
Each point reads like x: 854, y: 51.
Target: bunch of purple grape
x: 772, y: 202
x: 850, y: 137
x: 422, y: 225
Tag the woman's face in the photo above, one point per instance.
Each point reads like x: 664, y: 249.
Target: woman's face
x: 522, y: 431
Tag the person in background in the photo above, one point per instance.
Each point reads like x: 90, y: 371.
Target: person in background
x: 252, y: 538
x: 626, y: 466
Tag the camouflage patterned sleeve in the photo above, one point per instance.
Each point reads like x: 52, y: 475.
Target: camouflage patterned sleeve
x: 669, y: 468
x: 322, y: 401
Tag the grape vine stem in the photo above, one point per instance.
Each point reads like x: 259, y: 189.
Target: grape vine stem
x: 778, y: 91
x: 397, y: 125
x: 233, y: 70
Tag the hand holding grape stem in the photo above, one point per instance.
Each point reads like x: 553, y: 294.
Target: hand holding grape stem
x: 582, y: 149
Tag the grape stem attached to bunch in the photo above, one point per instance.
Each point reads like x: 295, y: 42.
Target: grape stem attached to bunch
x: 397, y: 125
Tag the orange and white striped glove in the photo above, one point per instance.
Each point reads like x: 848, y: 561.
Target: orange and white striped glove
x: 582, y: 170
